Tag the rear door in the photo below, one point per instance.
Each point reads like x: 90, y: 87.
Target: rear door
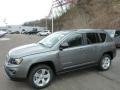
x: 92, y: 47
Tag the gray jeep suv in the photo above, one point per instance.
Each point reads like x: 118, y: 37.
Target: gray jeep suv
x: 60, y: 52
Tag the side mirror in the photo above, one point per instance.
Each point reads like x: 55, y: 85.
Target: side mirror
x: 64, y: 45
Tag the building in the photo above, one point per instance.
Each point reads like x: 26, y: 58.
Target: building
x: 20, y: 28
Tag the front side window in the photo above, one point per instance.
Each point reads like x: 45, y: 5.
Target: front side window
x: 75, y: 40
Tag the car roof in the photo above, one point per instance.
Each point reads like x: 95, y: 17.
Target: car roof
x: 84, y: 31
x: 90, y: 30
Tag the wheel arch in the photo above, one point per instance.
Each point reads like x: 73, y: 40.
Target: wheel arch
x: 109, y: 53
x: 49, y: 63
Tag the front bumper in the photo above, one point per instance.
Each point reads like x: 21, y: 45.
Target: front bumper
x: 15, y: 72
x: 11, y: 72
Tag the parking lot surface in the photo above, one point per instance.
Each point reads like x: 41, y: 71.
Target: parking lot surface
x: 87, y: 79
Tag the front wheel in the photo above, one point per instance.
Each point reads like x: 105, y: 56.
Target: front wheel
x: 41, y: 76
x: 105, y: 63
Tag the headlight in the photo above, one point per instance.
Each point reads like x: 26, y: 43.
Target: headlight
x: 16, y: 61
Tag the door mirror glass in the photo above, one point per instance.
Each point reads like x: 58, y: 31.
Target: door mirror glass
x: 64, y: 45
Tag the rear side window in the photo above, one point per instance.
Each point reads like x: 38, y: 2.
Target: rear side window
x: 103, y: 37
x: 92, y: 38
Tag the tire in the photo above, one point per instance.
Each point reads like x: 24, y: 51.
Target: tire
x: 105, y: 62
x: 40, y: 76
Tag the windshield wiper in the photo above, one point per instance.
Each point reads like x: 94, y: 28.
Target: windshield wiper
x: 42, y: 44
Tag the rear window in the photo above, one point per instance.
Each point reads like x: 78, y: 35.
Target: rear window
x: 103, y: 37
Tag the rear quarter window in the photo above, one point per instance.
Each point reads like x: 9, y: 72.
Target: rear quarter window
x: 117, y: 33
x: 103, y: 37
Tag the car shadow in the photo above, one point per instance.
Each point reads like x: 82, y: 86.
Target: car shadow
x: 75, y: 73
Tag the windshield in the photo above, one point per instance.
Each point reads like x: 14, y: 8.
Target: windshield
x: 52, y: 39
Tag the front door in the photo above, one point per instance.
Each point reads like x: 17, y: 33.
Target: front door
x: 75, y: 53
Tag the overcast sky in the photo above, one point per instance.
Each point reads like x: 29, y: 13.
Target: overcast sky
x: 19, y: 11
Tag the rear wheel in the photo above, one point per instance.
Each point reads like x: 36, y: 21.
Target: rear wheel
x: 105, y: 63
x: 40, y: 76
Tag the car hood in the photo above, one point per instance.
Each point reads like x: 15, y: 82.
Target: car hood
x: 26, y: 50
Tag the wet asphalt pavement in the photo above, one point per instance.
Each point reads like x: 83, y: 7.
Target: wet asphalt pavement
x: 87, y: 79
